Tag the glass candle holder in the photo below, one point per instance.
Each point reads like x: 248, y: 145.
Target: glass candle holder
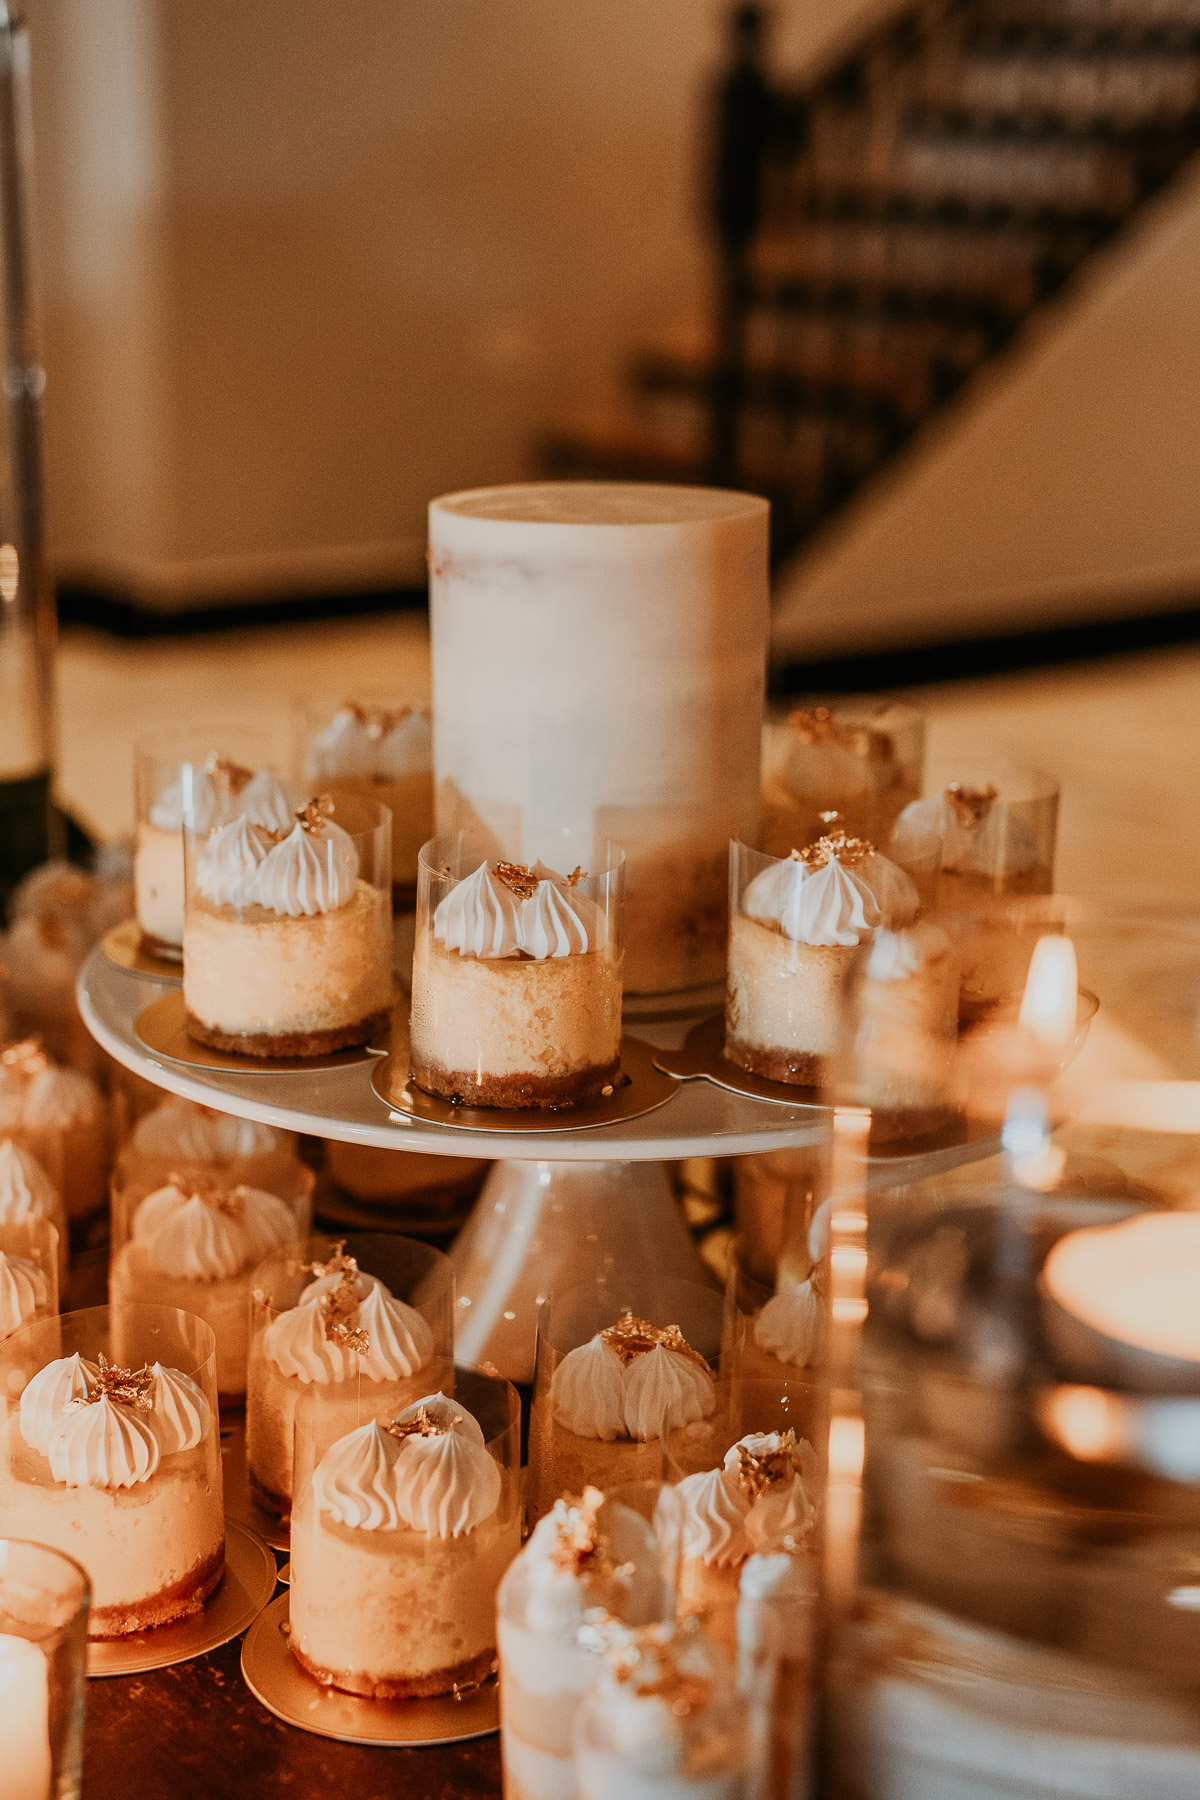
x: 213, y: 772
x: 635, y: 1733
x: 195, y: 1242
x: 402, y: 1528
x: 44, y: 1601
x: 619, y: 1365
x: 370, y: 1318
x: 288, y: 935
x: 375, y: 748
x: 516, y: 997
x: 850, y: 764
x: 795, y: 927
x: 29, y: 1259
x: 109, y: 1450
x: 998, y: 823
x: 594, y: 1563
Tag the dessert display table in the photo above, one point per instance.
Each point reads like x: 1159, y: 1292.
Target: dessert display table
x: 700, y: 1120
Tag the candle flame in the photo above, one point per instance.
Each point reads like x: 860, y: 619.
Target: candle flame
x: 1051, y: 999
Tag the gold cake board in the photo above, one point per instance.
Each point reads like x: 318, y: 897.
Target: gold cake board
x: 276, y: 1679
x: 246, y: 1586
x: 162, y: 1027
x: 124, y: 945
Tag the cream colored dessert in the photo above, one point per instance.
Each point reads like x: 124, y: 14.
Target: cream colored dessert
x: 989, y: 846
x: 214, y: 793
x: 42, y: 954
x: 119, y: 1468
x: 785, y: 1334
x: 64, y: 1120
x: 24, y: 1293
x: 599, y: 651
x: 26, y: 1191
x: 179, y: 1134
x: 663, y: 1721
x: 612, y: 1402
x: 516, y: 992
x: 823, y: 765
x: 792, y: 943
x: 351, y: 1337
x: 383, y: 754
x: 195, y: 1245
x: 570, y: 1573
x: 906, y: 1030
x: 756, y: 1500
x: 287, y: 951
x: 399, y: 1540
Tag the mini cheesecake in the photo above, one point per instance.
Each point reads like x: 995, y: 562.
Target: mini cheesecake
x: 516, y: 993
x: 907, y: 1028
x: 827, y: 767
x: 384, y: 754
x: 792, y: 943
x: 287, y: 950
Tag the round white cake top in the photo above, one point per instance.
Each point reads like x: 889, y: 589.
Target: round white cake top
x: 601, y: 503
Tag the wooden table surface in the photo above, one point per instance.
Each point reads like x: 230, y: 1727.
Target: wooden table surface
x: 196, y: 1732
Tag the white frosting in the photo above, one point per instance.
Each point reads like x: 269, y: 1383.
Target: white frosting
x: 588, y: 1391
x: 895, y: 955
x: 444, y: 1411
x: 664, y: 1390
x: 104, y: 1445
x: 23, y: 1288
x: 167, y: 812
x: 359, y: 742
x: 401, y: 1342
x: 999, y: 842
x: 62, y: 1097
x: 478, y: 917
x: 325, y: 1284
x: 554, y: 1599
x: 47, y: 1393
x: 714, y: 1519
x: 785, y: 1510
x: 26, y: 1191
x: 407, y: 749
x: 264, y: 801
x: 177, y: 1128
x: 185, y: 1237
x: 787, y: 1325
x: 229, y: 863
x: 180, y: 1417
x: 774, y: 1575
x: 442, y: 1485
x: 555, y: 922
x: 639, y: 1727
x: 833, y: 903
x: 311, y: 871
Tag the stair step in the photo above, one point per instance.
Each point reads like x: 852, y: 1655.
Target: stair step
x: 1116, y: 92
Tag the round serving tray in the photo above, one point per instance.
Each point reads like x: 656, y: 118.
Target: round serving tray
x: 276, y: 1679
x: 246, y: 1587
x: 700, y: 1118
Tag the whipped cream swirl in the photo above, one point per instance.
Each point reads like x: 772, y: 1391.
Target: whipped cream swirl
x: 642, y: 1388
x: 179, y: 1415
x: 58, y: 1098
x: 96, y: 1437
x: 664, y: 1390
x: 372, y: 742
x: 980, y: 833
x: 772, y: 1470
x: 399, y: 1339
x: 46, y: 1395
x: 23, y: 1289
x: 714, y: 1519
x: 229, y: 863
x: 786, y: 1328
x: 897, y: 955
x: 838, y: 901
x: 265, y: 801
x: 478, y: 917
x: 314, y: 870
x: 26, y: 1191
x: 539, y: 915
x: 104, y: 1445
x: 588, y: 1391
x: 435, y: 1478
x: 211, y: 1233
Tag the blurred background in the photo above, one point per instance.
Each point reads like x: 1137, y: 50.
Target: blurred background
x: 927, y: 275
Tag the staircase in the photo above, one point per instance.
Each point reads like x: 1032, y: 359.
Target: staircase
x: 946, y: 178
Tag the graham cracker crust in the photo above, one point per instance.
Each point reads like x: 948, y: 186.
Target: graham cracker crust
x: 156, y: 946
x: 289, y: 1043
x: 267, y: 1498
x: 178, y: 1601
x: 514, y: 1092
x: 470, y: 1673
x: 798, y: 1068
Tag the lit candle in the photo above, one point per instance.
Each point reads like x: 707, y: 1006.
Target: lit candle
x: 1051, y: 998
x: 1136, y: 1283
x: 25, y: 1772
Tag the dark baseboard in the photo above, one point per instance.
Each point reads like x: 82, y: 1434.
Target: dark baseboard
x: 124, y: 617
x: 965, y: 659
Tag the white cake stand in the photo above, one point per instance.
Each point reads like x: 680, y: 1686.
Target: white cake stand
x: 540, y: 1224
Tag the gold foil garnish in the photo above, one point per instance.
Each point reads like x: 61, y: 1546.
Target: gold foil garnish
x: 761, y: 1473
x: 24, y: 1059
x: 631, y: 1337
x: 338, y: 1263
x: 517, y: 879
x: 214, y: 1194
x: 849, y: 851
x: 817, y: 725
x: 578, y: 874
x: 379, y: 720
x: 579, y: 1542
x: 970, y: 805
x: 127, y: 1387
x: 682, y: 1694
x: 421, y: 1425
x: 339, y: 1314
x: 314, y: 814
x: 235, y: 774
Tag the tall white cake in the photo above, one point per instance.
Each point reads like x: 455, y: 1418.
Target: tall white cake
x: 599, y: 655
